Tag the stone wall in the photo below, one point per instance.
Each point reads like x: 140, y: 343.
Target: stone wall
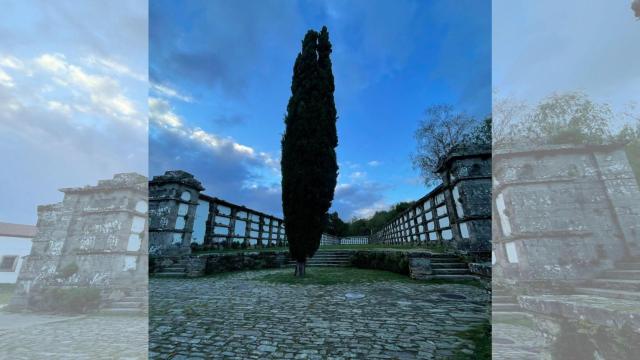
x: 182, y: 217
x: 563, y: 212
x: 456, y: 214
x: 207, y: 264
x: 95, y: 238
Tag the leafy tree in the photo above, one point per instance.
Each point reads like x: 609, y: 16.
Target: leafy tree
x: 439, y: 132
x: 570, y: 118
x: 335, y: 225
x: 309, y: 165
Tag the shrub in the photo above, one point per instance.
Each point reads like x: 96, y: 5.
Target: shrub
x: 70, y: 300
x: 68, y: 271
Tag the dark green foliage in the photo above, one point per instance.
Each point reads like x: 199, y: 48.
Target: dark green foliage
x: 71, y: 300
x: 480, y: 335
x: 335, y: 225
x: 68, y: 271
x: 394, y: 261
x: 359, y: 227
x: 309, y: 165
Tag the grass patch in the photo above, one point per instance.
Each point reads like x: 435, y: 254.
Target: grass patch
x: 6, y: 292
x: 517, y: 320
x: 344, y: 275
x: 480, y: 335
x: 332, y: 276
x: 436, y: 248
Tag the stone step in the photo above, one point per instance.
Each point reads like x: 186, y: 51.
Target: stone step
x: 446, y: 260
x: 609, y: 293
x: 174, y: 269
x: 450, y: 271
x: 137, y: 299
x: 628, y: 265
x: 622, y: 274
x: 451, y: 265
x: 127, y: 304
x: 503, y: 299
x: 170, y: 274
x: 124, y: 311
x: 618, y: 284
x: 501, y: 292
x: 505, y: 307
x: 453, y: 277
x: 327, y: 265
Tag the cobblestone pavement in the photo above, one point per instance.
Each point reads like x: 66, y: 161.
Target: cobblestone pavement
x: 517, y: 339
x: 238, y: 317
x: 25, y: 336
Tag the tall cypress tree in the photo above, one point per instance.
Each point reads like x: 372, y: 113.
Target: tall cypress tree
x: 309, y: 165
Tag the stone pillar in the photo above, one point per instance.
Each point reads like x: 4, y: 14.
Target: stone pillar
x: 173, y: 198
x: 466, y: 175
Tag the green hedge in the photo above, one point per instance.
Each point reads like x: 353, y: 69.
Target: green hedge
x: 394, y: 261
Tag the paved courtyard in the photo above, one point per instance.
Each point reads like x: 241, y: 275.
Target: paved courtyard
x: 29, y: 336
x: 238, y: 316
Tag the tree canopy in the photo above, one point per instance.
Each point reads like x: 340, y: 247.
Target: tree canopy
x: 309, y: 165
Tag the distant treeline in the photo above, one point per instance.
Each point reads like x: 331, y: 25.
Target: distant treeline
x: 357, y: 227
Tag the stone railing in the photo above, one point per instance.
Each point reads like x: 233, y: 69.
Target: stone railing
x: 456, y: 213
x: 181, y: 217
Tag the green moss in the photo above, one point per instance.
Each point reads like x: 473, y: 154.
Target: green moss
x: 6, y: 292
x: 332, y: 276
x: 339, y: 275
x: 480, y: 335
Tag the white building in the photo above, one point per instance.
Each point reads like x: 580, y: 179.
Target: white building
x: 15, y: 244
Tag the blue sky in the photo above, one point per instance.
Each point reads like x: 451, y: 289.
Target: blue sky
x: 220, y: 73
x: 73, y: 98
x: 546, y: 46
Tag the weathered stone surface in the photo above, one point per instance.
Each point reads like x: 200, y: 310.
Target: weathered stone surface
x: 483, y: 269
x: 567, y: 212
x: 455, y: 214
x: 420, y: 268
x: 28, y: 336
x: 95, y: 238
x: 596, y: 310
x: 238, y: 316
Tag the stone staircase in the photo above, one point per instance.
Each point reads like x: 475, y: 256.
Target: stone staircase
x: 134, y: 303
x: 328, y: 258
x: 502, y: 301
x: 449, y: 267
x: 621, y: 282
x: 177, y: 269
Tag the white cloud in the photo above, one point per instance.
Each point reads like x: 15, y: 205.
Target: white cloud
x: 115, y: 67
x: 59, y: 107
x: 105, y: 93
x: 358, y: 175
x: 6, y: 80
x: 162, y: 115
x: 11, y: 62
x: 170, y: 92
x: 373, y: 163
x: 368, y: 211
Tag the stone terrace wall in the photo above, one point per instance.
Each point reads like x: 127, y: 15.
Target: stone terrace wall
x: 456, y: 213
x: 96, y: 237
x: 563, y: 212
x: 182, y: 217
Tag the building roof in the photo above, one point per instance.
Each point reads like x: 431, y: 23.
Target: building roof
x: 17, y: 230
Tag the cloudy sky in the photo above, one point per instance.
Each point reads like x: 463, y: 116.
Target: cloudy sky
x: 220, y: 74
x: 546, y: 46
x: 73, y: 98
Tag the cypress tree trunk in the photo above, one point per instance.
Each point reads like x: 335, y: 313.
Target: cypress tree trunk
x: 309, y: 165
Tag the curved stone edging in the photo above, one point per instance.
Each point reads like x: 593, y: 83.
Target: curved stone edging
x: 416, y: 264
